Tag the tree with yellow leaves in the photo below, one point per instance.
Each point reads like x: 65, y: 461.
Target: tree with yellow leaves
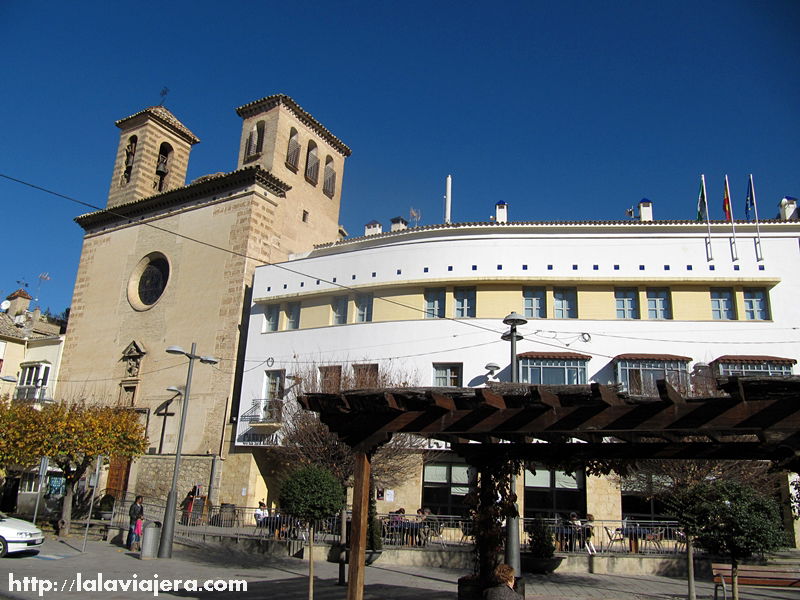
x: 73, y: 434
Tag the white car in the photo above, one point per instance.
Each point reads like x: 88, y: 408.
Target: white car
x: 17, y: 535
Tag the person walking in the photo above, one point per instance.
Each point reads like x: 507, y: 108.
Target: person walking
x: 505, y: 588
x: 135, y: 513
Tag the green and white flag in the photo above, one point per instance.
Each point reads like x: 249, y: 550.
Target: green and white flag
x: 702, y: 204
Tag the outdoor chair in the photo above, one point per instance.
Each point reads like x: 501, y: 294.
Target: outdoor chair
x: 615, y: 537
x: 654, y: 538
x: 466, y: 531
x: 434, y: 532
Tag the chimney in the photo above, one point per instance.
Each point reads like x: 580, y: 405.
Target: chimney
x: 645, y: 210
x: 373, y: 228
x: 788, y: 209
x: 399, y: 224
x: 20, y: 301
x: 501, y: 212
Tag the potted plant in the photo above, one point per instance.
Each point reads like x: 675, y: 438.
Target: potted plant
x: 105, y: 508
x: 540, y: 557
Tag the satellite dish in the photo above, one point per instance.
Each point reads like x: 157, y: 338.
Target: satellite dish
x: 4, y: 305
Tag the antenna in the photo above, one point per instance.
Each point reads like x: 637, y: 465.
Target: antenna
x: 629, y: 212
x: 42, y: 278
x: 5, y: 305
x: 163, y: 94
x: 414, y: 215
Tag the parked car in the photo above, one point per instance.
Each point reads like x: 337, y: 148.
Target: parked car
x: 17, y: 535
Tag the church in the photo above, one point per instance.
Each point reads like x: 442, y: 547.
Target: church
x: 168, y: 263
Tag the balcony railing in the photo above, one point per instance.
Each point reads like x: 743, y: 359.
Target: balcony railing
x: 31, y: 393
x: 265, y: 416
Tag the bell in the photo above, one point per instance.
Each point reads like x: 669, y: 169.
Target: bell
x: 161, y: 168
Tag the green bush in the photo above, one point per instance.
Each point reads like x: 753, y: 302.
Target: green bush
x: 311, y: 493
x: 541, y: 539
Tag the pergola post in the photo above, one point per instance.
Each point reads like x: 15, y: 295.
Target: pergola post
x: 358, y: 526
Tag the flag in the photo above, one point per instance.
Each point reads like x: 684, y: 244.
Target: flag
x: 702, y: 205
x: 726, y: 202
x: 750, y: 202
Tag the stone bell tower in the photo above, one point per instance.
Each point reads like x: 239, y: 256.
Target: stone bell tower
x: 152, y: 156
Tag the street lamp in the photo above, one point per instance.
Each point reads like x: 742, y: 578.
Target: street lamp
x: 168, y: 530
x: 512, y: 523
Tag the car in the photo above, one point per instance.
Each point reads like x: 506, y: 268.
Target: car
x: 17, y: 535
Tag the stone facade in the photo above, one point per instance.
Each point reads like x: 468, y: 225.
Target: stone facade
x: 155, y: 475
x: 175, y: 267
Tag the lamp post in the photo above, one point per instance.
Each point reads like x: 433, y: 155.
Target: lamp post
x: 168, y: 530
x: 512, y: 523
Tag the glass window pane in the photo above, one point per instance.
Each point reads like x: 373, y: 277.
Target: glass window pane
x: 566, y: 481
x: 539, y: 479
x: 435, y: 474
x: 460, y: 474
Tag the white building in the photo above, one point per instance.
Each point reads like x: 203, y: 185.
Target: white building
x: 624, y: 302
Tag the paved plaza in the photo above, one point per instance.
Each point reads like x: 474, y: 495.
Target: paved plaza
x: 287, y: 578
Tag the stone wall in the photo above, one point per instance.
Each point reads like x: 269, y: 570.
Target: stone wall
x: 154, y: 475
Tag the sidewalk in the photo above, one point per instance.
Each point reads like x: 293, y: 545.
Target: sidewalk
x: 287, y: 578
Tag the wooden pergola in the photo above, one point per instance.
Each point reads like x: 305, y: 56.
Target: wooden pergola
x: 752, y: 418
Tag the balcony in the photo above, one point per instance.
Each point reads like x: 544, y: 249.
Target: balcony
x: 265, y: 416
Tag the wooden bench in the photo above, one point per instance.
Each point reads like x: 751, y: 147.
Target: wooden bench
x: 755, y: 576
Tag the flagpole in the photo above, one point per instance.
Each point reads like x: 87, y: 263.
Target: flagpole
x: 709, y: 255
x: 729, y: 213
x: 752, y: 190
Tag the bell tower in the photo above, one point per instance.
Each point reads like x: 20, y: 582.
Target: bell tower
x: 152, y: 157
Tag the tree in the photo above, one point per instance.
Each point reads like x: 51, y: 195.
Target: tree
x: 73, y: 434
x: 15, y: 420
x: 730, y: 519
x: 311, y: 493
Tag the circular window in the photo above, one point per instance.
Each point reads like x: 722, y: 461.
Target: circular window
x: 148, y: 281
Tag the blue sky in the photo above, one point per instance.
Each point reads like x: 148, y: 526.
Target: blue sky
x: 565, y: 110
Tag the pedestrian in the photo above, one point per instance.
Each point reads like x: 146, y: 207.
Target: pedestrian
x: 504, y: 574
x: 588, y: 533
x: 135, y: 513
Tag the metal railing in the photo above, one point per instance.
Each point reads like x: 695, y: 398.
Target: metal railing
x: 399, y: 531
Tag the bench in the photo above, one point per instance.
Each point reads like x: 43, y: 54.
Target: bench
x: 755, y: 576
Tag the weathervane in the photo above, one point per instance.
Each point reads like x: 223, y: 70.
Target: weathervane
x: 163, y: 94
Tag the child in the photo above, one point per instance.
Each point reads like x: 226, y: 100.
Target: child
x: 136, y: 544
x: 588, y: 532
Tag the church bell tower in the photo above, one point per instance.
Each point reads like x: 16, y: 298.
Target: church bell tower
x: 152, y: 157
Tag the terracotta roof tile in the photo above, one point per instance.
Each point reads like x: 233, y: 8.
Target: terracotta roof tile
x: 20, y: 293
x: 257, y: 106
x: 753, y: 359
x: 555, y: 355
x: 166, y: 117
x: 641, y: 356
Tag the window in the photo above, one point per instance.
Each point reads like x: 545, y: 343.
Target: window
x: 551, y: 371
x: 271, y: 314
x: 767, y: 366
x: 130, y: 155
x: 305, y: 216
x: 330, y: 379
x: 658, y: 304
x: 293, y: 315
x: 565, y: 302
x: 273, y: 384
x: 722, y: 304
x: 312, y: 164
x: 255, y: 141
x: 434, y: 303
x: 549, y: 493
x: 339, y: 306
x: 755, y: 304
x: 465, y: 302
x: 162, y: 166
x: 32, y: 382
x: 293, y: 151
x: 148, y: 281
x: 638, y: 376
x: 365, y: 376
x: 534, y: 303
x: 444, y: 486
x: 447, y: 375
x: 627, y: 300
x: 329, y: 182
x: 363, y: 308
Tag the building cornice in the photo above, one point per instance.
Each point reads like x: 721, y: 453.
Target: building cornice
x: 649, y: 228
x: 200, y: 188
x: 264, y: 104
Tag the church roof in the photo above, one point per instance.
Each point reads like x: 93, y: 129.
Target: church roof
x: 160, y: 113
x: 268, y: 102
x: 207, y: 186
